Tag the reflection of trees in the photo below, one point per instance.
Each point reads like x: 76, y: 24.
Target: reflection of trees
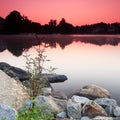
x: 101, y: 40
x: 18, y: 44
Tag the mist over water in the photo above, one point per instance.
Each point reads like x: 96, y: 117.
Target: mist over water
x: 84, y: 59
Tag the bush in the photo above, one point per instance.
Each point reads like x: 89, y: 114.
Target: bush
x: 34, y: 113
x: 35, y: 67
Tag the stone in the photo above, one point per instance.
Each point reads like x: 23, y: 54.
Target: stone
x: 46, y: 91
x: 85, y: 118
x: 62, y: 119
x: 107, y: 104
x: 59, y: 95
x: 52, y: 103
x: 74, y: 106
x: 93, y: 91
x: 61, y: 115
x: 22, y: 75
x: 12, y: 92
x: 92, y: 109
x: 81, y: 106
x: 54, y: 78
x: 28, y: 103
x: 7, y: 113
x: 116, y: 111
x: 102, y: 118
x: 14, y: 72
x: 116, y: 118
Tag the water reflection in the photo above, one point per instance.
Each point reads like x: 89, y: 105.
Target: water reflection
x: 16, y: 44
x: 84, y: 59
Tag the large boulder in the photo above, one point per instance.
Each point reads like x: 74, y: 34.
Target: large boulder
x: 81, y: 106
x: 54, y: 105
x: 22, y: 75
x: 7, y: 113
x: 107, y: 104
x: 93, y: 91
x: 12, y: 92
x: 14, y: 72
x: 54, y: 78
x: 92, y: 109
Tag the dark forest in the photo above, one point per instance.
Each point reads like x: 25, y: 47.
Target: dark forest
x: 15, y: 23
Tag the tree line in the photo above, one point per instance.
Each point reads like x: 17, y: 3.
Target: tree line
x: 15, y: 23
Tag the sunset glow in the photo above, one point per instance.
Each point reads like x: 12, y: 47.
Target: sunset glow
x: 77, y: 12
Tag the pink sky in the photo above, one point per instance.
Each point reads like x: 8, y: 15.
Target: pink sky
x: 77, y: 12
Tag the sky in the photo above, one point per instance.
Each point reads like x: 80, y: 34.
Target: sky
x: 76, y: 12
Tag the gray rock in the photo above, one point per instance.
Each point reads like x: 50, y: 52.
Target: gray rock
x: 116, y: 118
x: 54, y: 78
x: 12, y: 92
x: 14, y: 72
x: 93, y: 91
x: 28, y: 103
x: 47, y: 91
x: 102, y: 118
x: 107, y: 104
x: 81, y: 106
x: 85, y: 118
x: 61, y: 115
x: 7, y: 112
x: 52, y: 103
x: 74, y: 106
x: 59, y: 95
x: 22, y: 75
x: 116, y: 111
x: 62, y: 119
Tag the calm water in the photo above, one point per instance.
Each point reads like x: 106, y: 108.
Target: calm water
x: 85, y: 59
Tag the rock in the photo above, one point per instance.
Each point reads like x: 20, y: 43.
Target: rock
x: 116, y: 111
x: 93, y: 91
x: 92, y: 109
x: 29, y: 103
x: 116, y: 118
x: 74, y: 106
x: 7, y: 113
x: 62, y: 119
x: 102, y: 118
x: 14, y: 72
x: 47, y: 91
x: 85, y: 118
x: 81, y: 106
x: 22, y: 75
x: 59, y: 95
x: 12, y: 92
x: 107, y: 104
x: 52, y: 103
x: 54, y: 78
x: 61, y: 115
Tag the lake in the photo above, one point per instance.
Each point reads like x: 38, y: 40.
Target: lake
x: 84, y: 59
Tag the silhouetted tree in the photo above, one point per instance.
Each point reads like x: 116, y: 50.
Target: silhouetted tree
x: 64, y: 27
x: 14, y: 22
x: 52, y: 26
x: 35, y: 27
x: 2, y: 25
x: 53, y: 22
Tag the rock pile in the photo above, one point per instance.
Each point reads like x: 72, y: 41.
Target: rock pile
x: 89, y: 103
